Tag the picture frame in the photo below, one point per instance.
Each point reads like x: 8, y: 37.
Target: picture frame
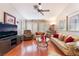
x: 62, y: 25
x: 8, y: 18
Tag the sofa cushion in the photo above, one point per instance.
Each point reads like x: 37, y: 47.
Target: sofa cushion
x: 59, y: 43
x: 61, y: 37
x: 69, y: 39
x: 76, y: 38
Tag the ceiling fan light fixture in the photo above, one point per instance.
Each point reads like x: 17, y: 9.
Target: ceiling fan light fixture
x: 39, y: 6
x: 39, y: 3
x: 39, y: 9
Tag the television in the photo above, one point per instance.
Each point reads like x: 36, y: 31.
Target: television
x: 7, y: 30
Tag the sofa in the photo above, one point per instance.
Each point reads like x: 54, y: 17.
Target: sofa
x: 68, y: 48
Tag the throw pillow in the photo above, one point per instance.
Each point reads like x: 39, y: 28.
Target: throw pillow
x: 61, y: 37
x: 69, y: 39
x: 56, y: 35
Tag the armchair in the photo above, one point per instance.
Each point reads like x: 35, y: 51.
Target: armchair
x: 28, y: 35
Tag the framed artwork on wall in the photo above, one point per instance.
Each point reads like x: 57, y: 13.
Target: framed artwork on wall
x: 62, y: 25
x: 8, y: 18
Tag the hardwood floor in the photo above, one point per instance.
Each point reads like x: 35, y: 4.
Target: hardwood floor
x: 30, y: 48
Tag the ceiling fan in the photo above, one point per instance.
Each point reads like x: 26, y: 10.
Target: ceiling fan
x: 38, y: 7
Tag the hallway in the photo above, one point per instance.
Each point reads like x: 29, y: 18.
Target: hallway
x: 30, y: 48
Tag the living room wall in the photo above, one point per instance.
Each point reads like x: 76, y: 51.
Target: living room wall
x: 71, y: 9
x: 6, y: 7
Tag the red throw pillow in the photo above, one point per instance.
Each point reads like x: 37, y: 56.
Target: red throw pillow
x: 69, y: 39
x: 56, y: 35
x: 36, y: 33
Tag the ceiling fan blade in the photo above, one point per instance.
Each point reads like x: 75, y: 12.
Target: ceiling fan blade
x: 41, y: 13
x: 44, y: 10
x: 39, y: 3
x: 35, y: 6
x: 39, y: 9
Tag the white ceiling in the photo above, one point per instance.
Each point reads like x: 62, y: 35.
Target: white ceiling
x: 28, y: 12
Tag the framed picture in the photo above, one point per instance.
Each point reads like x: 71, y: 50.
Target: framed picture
x: 10, y: 19
x: 62, y: 25
x: 73, y: 23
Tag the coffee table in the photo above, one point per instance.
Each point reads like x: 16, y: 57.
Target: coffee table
x: 40, y: 43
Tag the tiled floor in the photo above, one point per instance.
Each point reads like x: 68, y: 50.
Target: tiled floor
x: 30, y: 48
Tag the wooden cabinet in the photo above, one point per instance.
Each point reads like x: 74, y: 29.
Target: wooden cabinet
x: 8, y: 37
x: 19, y: 39
x: 5, y: 46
